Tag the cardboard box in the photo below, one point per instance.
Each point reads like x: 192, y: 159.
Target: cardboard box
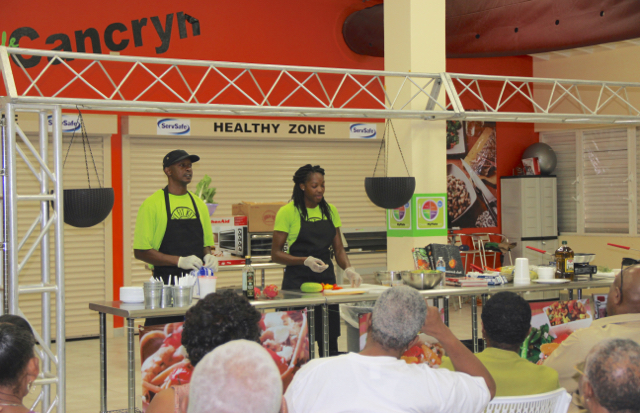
x: 261, y: 216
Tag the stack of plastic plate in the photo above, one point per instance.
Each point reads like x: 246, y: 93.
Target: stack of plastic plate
x: 131, y: 295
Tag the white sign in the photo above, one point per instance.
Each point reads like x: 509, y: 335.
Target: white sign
x: 362, y: 131
x: 172, y: 126
x: 70, y: 123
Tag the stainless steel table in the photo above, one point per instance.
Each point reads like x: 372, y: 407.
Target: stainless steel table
x: 285, y: 299
x: 446, y: 292
x: 288, y: 299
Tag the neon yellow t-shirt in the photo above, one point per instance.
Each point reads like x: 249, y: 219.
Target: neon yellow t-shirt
x: 151, y: 222
x: 514, y: 376
x: 288, y: 220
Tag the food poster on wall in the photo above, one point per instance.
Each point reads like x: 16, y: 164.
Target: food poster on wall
x: 552, y: 322
x: 165, y: 361
x: 428, y: 350
x: 471, y: 174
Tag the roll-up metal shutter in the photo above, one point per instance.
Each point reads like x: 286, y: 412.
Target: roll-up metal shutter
x: 85, y: 249
x: 260, y: 171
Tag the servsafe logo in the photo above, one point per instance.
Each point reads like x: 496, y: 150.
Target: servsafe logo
x: 171, y: 126
x: 70, y: 123
x: 362, y: 131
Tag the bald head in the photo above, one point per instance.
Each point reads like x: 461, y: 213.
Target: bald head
x: 627, y: 299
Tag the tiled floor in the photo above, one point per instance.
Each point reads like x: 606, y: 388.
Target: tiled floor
x: 83, y: 381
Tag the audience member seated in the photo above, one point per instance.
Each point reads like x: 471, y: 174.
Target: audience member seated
x: 16, y: 320
x: 239, y: 376
x: 18, y: 366
x: 214, y: 320
x: 506, y: 323
x: 377, y: 380
x: 611, y: 381
x: 622, y: 321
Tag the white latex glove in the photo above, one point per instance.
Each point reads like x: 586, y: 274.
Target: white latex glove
x: 190, y: 263
x: 353, y: 276
x: 316, y: 264
x: 211, y: 261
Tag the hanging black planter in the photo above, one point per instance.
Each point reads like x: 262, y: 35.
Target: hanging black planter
x: 87, y: 207
x: 90, y: 206
x: 389, y: 192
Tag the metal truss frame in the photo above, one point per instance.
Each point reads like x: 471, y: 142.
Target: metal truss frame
x: 15, y: 143
x: 144, y: 84
x: 64, y: 80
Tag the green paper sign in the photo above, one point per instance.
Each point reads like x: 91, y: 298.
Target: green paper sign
x: 424, y: 216
x: 432, y: 212
x: 400, y: 218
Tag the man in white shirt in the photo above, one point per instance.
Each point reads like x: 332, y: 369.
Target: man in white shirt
x: 622, y: 321
x: 377, y: 380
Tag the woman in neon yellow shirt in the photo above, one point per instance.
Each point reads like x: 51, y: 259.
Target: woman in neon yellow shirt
x: 311, y: 227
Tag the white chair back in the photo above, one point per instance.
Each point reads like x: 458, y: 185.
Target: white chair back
x: 556, y: 401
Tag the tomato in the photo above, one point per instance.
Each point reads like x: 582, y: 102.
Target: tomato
x: 271, y: 290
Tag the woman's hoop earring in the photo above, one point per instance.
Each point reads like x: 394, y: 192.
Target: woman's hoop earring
x: 30, y: 387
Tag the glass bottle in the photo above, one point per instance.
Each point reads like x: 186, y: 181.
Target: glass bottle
x: 564, y: 262
x: 248, y: 279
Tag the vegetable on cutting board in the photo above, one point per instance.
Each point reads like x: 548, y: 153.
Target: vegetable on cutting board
x: 311, y: 287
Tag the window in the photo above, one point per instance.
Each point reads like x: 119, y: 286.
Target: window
x: 596, y: 180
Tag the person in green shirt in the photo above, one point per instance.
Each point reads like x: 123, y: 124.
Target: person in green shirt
x: 173, y: 232
x: 311, y: 226
x: 506, y: 322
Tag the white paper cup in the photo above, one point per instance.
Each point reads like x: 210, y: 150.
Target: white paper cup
x: 521, y: 271
x: 207, y: 285
x: 546, y: 273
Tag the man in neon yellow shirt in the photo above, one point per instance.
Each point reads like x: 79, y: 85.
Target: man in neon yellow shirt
x: 506, y: 322
x: 173, y: 231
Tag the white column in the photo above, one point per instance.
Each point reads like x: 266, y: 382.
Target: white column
x: 414, y: 41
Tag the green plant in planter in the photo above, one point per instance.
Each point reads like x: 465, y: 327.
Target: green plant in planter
x: 203, y: 190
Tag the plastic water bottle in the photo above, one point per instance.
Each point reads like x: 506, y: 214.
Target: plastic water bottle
x: 440, y: 265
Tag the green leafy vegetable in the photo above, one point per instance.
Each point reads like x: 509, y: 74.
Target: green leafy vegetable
x: 203, y: 191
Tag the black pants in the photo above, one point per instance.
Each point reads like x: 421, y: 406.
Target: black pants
x: 334, y: 329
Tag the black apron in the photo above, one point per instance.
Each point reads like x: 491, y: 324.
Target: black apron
x: 314, y: 239
x: 183, y: 237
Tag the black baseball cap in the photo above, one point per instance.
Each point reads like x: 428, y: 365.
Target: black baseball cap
x: 176, y: 156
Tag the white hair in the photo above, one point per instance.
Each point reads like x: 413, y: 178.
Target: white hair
x: 239, y: 376
x: 397, y: 317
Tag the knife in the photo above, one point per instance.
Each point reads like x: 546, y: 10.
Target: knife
x: 489, y: 199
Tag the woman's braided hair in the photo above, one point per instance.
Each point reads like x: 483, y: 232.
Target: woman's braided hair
x: 301, y: 176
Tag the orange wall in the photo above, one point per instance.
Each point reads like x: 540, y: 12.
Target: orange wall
x: 287, y: 32
x: 512, y: 138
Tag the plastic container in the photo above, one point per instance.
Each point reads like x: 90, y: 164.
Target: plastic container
x: 521, y: 272
x: 207, y: 285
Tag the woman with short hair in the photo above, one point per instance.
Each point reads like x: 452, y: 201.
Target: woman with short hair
x: 19, y: 366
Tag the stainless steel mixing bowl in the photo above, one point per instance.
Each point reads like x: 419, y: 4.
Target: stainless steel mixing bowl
x: 422, y: 280
x: 389, y: 278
